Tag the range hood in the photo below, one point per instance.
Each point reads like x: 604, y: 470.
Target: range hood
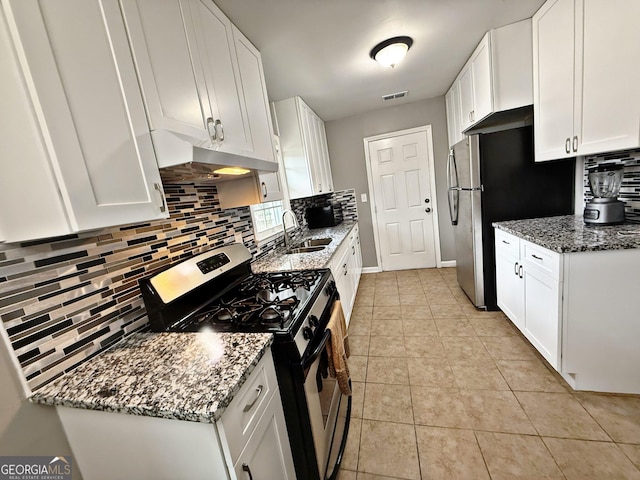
x: 503, y: 120
x: 181, y: 159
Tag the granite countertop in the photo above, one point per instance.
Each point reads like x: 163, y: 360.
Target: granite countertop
x: 184, y: 376
x: 280, y: 261
x: 569, y: 233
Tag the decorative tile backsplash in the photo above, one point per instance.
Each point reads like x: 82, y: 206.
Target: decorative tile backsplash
x: 344, y: 204
x: 64, y: 299
x: 630, y: 190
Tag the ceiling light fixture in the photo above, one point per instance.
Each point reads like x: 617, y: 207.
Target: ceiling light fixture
x: 389, y: 52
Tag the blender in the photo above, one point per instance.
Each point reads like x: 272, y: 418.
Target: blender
x: 605, y: 208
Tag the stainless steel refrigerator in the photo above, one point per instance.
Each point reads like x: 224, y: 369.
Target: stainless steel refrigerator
x: 493, y: 177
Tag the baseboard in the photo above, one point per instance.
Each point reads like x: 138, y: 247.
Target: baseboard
x: 370, y: 269
x: 447, y: 263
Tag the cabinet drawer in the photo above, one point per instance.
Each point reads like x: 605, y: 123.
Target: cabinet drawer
x: 507, y: 243
x: 242, y: 415
x: 541, y: 259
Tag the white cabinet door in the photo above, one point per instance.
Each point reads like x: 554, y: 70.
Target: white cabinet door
x: 509, y: 285
x: 542, y: 314
x: 272, y: 183
x: 607, y: 95
x: 481, y: 80
x: 163, y: 41
x: 553, y: 81
x: 254, y: 92
x: 87, y: 107
x: 304, y: 148
x: 267, y: 455
x: 323, y: 158
x: 582, y: 104
x: 219, y: 62
x: 466, y: 98
x: 452, y: 103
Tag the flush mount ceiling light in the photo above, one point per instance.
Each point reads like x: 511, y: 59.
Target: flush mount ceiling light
x: 389, y: 52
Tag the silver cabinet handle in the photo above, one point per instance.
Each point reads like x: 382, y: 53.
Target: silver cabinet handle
x: 470, y: 117
x: 211, y: 129
x: 520, y: 271
x: 567, y: 145
x: 158, y: 188
x: 250, y: 405
x: 345, y: 268
x: 515, y: 269
x: 264, y: 190
x: 505, y: 242
x: 353, y: 249
x: 245, y: 468
x: 473, y: 115
x: 575, y: 143
x: 536, y: 257
x: 219, y: 130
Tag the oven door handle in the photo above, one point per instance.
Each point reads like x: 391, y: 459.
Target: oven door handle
x: 309, y: 359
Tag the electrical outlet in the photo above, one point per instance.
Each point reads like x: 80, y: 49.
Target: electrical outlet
x: 238, y: 237
x: 363, y: 198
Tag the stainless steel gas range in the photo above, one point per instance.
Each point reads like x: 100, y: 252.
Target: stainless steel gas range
x: 217, y: 291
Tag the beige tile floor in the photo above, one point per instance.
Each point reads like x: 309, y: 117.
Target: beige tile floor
x: 443, y: 391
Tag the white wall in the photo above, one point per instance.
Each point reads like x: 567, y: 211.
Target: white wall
x: 346, y: 150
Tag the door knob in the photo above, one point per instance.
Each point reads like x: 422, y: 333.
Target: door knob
x: 426, y: 200
x: 427, y: 209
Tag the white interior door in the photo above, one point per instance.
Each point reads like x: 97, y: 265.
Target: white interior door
x: 400, y: 168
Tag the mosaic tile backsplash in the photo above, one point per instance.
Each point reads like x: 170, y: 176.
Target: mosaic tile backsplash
x: 630, y: 190
x: 65, y: 299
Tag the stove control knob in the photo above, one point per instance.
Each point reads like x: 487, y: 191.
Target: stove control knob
x: 307, y: 333
x: 313, y: 321
x: 331, y: 288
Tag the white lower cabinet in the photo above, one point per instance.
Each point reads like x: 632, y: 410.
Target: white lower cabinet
x: 510, y: 292
x: 251, y: 432
x: 528, y: 295
x: 346, y: 268
x: 578, y: 309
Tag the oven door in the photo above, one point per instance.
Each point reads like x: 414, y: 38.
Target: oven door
x: 329, y: 411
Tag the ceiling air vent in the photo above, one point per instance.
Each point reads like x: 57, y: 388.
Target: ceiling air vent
x: 393, y: 96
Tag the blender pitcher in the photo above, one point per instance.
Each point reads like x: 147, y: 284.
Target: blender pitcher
x: 605, y: 182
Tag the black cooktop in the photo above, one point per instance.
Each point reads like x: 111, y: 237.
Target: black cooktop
x: 264, y: 302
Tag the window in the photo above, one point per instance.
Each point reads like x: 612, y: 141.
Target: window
x: 267, y: 219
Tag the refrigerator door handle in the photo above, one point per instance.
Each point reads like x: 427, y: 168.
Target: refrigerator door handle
x: 452, y: 192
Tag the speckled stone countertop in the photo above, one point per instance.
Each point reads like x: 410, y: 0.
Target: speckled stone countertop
x: 184, y: 376
x: 280, y: 261
x: 569, y: 233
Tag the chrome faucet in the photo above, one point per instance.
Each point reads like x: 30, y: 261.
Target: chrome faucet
x: 287, y: 240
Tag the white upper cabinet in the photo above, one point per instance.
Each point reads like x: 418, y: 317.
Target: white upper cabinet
x: 303, y: 141
x: 200, y: 77
x: 476, y: 85
x: 497, y: 77
x: 586, y: 98
x: 254, y: 92
x: 454, y: 125
x: 77, y: 136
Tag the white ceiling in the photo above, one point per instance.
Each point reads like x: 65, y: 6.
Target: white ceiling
x: 319, y: 49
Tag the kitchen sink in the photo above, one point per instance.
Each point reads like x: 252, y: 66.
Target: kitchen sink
x: 314, y: 242
x: 306, y: 249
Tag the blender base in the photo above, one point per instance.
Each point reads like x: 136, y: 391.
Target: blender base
x: 604, y: 213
